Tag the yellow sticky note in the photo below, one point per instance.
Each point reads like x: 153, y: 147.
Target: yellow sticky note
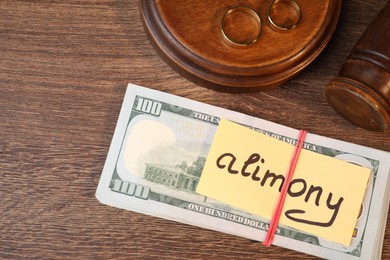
x: 246, y: 169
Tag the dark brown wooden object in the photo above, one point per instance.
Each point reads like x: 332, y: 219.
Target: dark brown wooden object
x: 361, y: 92
x: 187, y: 34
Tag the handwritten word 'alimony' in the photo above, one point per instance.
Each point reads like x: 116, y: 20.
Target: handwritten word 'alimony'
x: 246, y: 169
x: 297, y: 187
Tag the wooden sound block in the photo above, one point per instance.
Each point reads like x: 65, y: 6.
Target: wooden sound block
x: 187, y: 34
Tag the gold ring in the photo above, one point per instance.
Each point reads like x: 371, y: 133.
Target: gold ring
x: 241, y: 26
x: 284, y: 15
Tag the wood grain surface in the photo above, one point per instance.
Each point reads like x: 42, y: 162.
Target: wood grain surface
x: 64, y: 67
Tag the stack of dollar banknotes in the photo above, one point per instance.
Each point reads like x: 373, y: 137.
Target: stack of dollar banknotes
x: 160, y: 146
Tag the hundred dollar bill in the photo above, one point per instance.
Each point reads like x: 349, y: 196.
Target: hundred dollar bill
x: 156, y: 158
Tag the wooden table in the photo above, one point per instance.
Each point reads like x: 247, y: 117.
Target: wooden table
x: 64, y: 67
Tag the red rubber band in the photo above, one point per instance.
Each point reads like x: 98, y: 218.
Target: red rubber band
x: 283, y: 194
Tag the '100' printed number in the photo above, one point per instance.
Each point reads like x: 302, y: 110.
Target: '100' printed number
x: 148, y: 106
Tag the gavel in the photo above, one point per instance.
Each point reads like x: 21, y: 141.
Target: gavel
x: 361, y: 91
